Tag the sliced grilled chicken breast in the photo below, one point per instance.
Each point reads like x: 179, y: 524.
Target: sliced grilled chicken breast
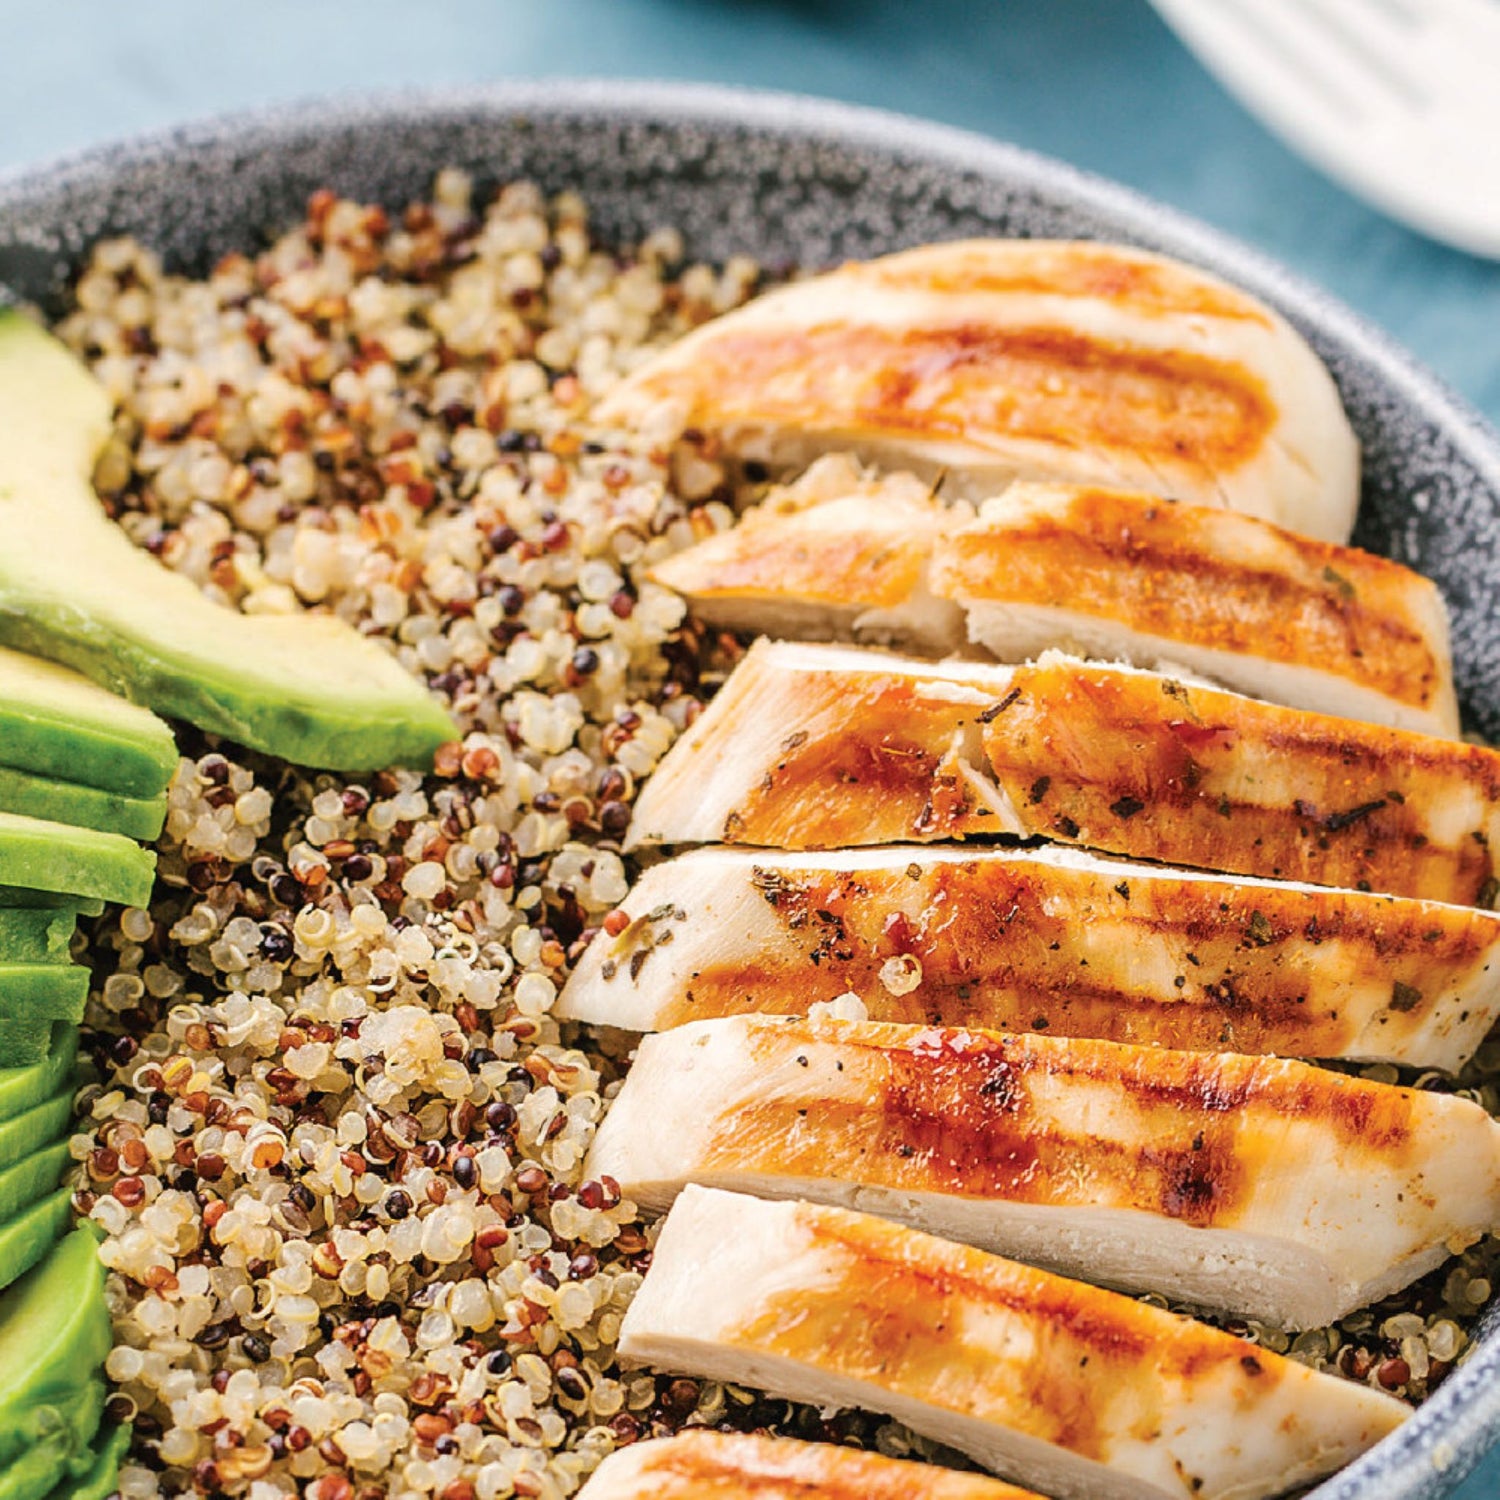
x: 1105, y: 573
x: 701, y: 1465
x: 1271, y: 1189
x: 1057, y: 1385
x: 826, y: 746
x: 1143, y: 765
x: 838, y: 556
x: 1049, y: 939
x: 831, y: 745
x: 998, y: 359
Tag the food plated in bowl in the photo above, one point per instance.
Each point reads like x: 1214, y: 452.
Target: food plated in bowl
x: 406, y: 918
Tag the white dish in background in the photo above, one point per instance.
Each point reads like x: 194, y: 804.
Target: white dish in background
x: 1398, y: 100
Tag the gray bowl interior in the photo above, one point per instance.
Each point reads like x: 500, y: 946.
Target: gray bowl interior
x: 797, y: 181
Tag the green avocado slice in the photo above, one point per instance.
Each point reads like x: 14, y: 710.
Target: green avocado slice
x: 18, y: 896
x: 24, y: 1240
x: 103, y: 1477
x: 51, y: 992
x: 46, y: 856
x: 31, y: 1179
x: 58, y: 1448
x: 35, y: 935
x: 54, y: 1336
x: 54, y: 719
x: 36, y: 1128
x: 22, y: 1089
x: 87, y: 806
x: 24, y: 1040
x: 307, y: 688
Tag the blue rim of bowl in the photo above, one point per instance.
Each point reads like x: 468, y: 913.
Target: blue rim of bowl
x: 1452, y: 1430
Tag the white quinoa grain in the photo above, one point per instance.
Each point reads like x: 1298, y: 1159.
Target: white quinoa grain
x: 901, y: 974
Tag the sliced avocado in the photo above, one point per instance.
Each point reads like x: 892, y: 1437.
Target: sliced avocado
x: 307, y: 688
x: 51, y: 992
x: 57, y: 1450
x: 53, y: 720
x: 22, y: 1089
x: 25, y: 1182
x: 18, y: 896
x: 24, y: 1240
x: 103, y: 1476
x: 86, y: 806
x: 35, y: 935
x: 24, y: 1040
x: 36, y: 1128
x: 45, y: 856
x: 54, y: 1337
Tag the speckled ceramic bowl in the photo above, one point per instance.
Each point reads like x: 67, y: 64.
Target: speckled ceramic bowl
x: 794, y: 180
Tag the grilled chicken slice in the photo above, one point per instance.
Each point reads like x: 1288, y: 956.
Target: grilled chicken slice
x: 1104, y: 573
x: 831, y: 745
x: 997, y: 359
x: 828, y: 746
x: 701, y: 1465
x: 1049, y: 939
x: 1074, y: 1391
x: 1270, y: 1189
x: 1107, y: 574
x: 1143, y: 765
x: 836, y: 556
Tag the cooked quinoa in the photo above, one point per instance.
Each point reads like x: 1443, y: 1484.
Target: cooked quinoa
x: 337, y: 1138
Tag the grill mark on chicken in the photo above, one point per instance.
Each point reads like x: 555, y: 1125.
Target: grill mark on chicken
x: 836, y: 773
x: 895, y: 1307
x: 1011, y: 946
x: 878, y: 572
x: 972, y: 1114
x: 1208, y: 769
x: 967, y: 380
x: 1137, y: 285
x: 1226, y: 1016
x: 1146, y: 568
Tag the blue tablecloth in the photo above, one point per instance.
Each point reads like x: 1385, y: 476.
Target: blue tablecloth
x: 1098, y: 82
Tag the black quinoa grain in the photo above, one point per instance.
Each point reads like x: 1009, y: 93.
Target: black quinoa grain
x: 614, y: 819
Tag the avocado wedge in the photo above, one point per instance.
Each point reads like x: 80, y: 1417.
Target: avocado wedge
x: 25, y: 1240
x: 51, y: 992
x: 35, y: 1129
x: 52, y: 719
x: 307, y: 688
x: 103, y: 1477
x: 24, y: 1183
x: 46, y: 856
x: 35, y: 935
x: 24, y: 1040
x: 57, y: 1450
x: 86, y: 806
x: 20, y: 897
x: 54, y: 1336
x: 23, y: 1089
